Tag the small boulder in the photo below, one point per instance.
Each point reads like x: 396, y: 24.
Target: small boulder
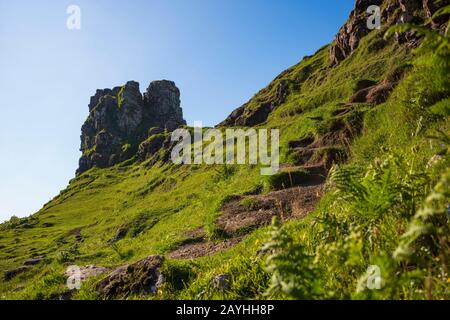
x: 142, y: 277
x: 9, y: 274
x: 222, y: 282
x: 33, y: 261
x: 120, y: 234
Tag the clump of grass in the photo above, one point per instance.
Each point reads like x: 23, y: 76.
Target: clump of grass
x: 249, y: 203
x: 286, y: 179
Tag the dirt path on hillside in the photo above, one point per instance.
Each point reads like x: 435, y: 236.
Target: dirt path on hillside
x: 203, y: 248
x: 243, y: 214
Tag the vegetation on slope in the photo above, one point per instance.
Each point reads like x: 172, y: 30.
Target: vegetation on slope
x: 387, y: 207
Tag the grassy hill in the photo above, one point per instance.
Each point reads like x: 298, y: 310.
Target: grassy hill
x: 379, y: 162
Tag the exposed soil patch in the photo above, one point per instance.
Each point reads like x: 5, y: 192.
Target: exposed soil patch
x: 33, y: 261
x: 331, y: 147
x: 205, y: 248
x: 378, y: 93
x: 299, y: 186
x: 28, y: 264
x: 302, y: 143
x: 246, y: 213
x: 196, y: 233
x: 345, y: 109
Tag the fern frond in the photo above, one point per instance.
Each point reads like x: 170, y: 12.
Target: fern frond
x: 441, y: 12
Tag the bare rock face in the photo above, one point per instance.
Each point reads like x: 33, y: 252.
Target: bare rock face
x: 411, y: 11
x: 352, y: 31
x: 120, y: 118
x: 163, y: 97
x: 409, y: 8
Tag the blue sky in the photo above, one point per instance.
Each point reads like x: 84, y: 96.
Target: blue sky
x: 219, y: 53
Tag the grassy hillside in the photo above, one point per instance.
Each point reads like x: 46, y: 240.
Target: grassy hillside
x: 395, y: 158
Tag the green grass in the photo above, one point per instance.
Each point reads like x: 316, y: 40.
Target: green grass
x: 160, y: 204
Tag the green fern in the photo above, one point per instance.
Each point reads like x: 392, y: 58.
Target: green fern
x: 293, y: 273
x: 431, y: 220
x: 435, y: 43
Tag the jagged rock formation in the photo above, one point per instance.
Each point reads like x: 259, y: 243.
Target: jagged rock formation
x: 352, y: 31
x: 163, y: 99
x: 393, y: 11
x: 120, y: 119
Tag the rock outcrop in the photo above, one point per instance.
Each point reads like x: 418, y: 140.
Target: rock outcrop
x: 120, y: 119
x: 392, y: 12
x: 257, y: 110
x: 352, y: 31
x: 373, y: 95
x: 142, y: 277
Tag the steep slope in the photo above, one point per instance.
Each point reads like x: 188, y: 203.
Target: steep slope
x: 353, y: 100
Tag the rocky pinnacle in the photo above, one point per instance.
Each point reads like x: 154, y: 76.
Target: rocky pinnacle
x: 120, y: 120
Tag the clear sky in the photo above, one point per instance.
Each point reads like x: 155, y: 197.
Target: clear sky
x: 219, y: 53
